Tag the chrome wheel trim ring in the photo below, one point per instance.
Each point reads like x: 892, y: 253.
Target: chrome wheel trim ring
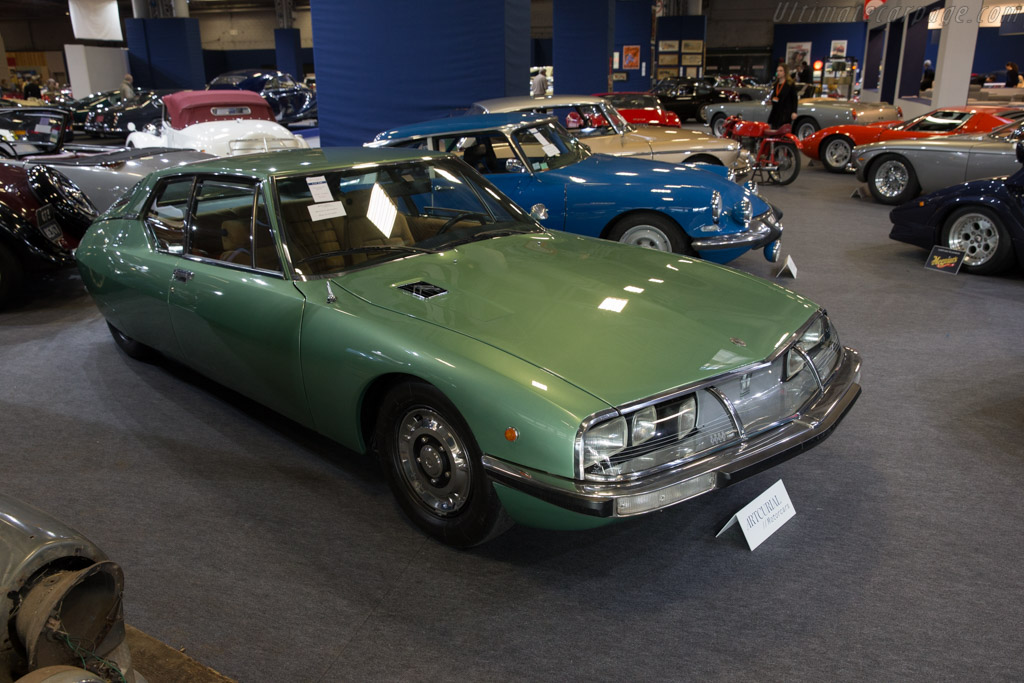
x: 433, y: 462
x: 647, y: 236
x: 976, y: 236
x: 837, y: 152
x: 891, y: 178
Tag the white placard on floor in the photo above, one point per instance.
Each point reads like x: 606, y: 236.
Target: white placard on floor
x: 763, y: 516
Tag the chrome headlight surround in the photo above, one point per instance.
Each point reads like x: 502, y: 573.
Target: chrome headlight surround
x: 716, y: 206
x: 743, y: 212
x: 695, y: 421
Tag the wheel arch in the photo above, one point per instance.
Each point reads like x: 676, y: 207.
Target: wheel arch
x: 373, y: 398
x: 804, y: 118
x: 703, y: 158
x: 606, y: 230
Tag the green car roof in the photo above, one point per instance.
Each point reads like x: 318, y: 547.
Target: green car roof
x: 306, y: 160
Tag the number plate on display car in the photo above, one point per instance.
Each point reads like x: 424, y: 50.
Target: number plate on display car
x: 48, y: 225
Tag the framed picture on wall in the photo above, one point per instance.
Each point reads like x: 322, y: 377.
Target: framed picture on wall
x: 691, y: 59
x: 693, y: 72
x: 630, y: 56
x: 797, y: 53
x: 668, y: 58
x: 666, y: 73
x: 838, y: 50
x: 693, y: 46
x: 668, y: 46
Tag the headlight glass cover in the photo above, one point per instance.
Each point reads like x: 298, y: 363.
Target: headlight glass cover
x: 682, y: 428
x: 716, y: 205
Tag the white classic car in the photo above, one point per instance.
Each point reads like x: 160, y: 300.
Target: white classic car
x: 219, y: 122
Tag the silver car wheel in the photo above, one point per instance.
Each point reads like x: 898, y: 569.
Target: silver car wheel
x: 718, y: 126
x: 976, y: 236
x: 837, y: 152
x: 891, y: 178
x: 647, y: 236
x: 806, y: 129
x: 433, y: 461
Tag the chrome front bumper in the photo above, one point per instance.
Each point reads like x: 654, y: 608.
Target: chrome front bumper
x: 717, y: 470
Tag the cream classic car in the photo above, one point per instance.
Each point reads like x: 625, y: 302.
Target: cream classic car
x: 219, y: 122
x: 598, y: 123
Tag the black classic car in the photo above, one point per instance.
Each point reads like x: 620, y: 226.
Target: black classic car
x: 291, y: 101
x: 685, y: 97
x: 113, y: 121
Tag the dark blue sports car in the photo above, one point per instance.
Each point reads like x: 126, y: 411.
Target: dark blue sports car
x: 291, y: 101
x: 983, y: 218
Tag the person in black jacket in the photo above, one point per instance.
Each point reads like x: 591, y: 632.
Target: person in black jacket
x: 32, y: 89
x: 927, y: 76
x: 784, y: 99
x: 1012, y: 75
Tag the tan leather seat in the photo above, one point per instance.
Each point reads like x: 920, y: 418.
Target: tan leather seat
x: 236, y: 241
x: 307, y: 237
x: 361, y: 231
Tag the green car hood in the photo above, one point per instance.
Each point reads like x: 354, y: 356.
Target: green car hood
x: 551, y: 299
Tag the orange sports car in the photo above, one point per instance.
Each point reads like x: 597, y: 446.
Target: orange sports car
x: 834, y: 145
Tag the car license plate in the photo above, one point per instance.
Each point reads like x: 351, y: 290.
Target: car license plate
x: 47, y: 225
x: 99, y: 119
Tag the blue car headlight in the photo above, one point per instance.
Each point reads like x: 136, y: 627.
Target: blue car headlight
x: 716, y: 206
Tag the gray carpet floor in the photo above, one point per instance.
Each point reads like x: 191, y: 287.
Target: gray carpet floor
x: 271, y: 554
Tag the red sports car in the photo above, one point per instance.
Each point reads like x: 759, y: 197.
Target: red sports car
x: 834, y: 145
x: 641, y: 108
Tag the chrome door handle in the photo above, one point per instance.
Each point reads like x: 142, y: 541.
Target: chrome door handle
x: 182, y: 275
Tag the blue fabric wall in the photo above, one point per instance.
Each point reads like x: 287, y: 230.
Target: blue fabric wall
x: 820, y: 36
x: 873, y: 58
x: 167, y: 53
x: 993, y: 51
x: 633, y: 27
x: 582, y: 45
x: 913, y: 56
x: 381, y: 65
x: 540, y: 52
x: 288, y: 51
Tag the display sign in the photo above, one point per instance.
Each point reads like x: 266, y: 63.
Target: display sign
x: 321, y: 212
x: 319, y: 189
x: 764, y: 515
x: 630, y: 56
x: 945, y: 259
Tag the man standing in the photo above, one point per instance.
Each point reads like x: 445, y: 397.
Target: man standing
x: 127, y: 89
x: 539, y: 84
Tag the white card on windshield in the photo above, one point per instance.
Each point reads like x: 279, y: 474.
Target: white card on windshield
x: 550, y: 150
x: 319, y: 188
x: 321, y: 212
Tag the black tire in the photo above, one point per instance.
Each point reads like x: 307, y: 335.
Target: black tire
x: 132, y: 348
x: 651, y: 231
x: 981, y: 235
x: 433, y: 465
x: 787, y: 156
x: 804, y: 127
x: 892, y: 180
x: 718, y: 125
x: 835, y: 153
x: 704, y: 159
x: 12, y: 273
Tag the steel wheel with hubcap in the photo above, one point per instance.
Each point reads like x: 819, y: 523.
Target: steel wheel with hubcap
x: 892, y: 180
x: 652, y: 231
x: 836, y: 152
x: 980, y: 234
x: 805, y: 128
x: 718, y: 124
x: 433, y: 464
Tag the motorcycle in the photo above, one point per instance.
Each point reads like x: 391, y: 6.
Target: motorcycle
x: 776, y: 152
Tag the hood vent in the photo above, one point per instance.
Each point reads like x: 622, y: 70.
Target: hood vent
x: 423, y: 290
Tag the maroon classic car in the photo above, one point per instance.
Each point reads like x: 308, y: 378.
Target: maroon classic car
x: 642, y: 108
x: 43, y: 214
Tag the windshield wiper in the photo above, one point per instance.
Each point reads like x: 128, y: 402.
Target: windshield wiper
x: 367, y: 250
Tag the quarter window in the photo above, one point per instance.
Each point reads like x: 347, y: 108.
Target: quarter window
x: 166, y: 215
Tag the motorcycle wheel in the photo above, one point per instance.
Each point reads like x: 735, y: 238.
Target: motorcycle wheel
x: 788, y: 160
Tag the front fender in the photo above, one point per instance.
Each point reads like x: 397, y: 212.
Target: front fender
x: 142, y: 139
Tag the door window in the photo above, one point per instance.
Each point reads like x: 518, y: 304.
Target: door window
x: 487, y: 152
x: 221, y: 224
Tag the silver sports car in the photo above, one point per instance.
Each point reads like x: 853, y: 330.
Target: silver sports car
x: 899, y: 170
x: 812, y: 114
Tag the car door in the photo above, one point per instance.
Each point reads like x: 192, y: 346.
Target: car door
x: 990, y: 158
x: 235, y: 314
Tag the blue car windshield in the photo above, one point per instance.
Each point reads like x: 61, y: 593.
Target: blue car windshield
x: 346, y: 219
x: 548, y: 146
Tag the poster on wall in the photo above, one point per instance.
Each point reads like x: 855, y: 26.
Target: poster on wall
x: 666, y: 73
x: 630, y: 56
x: 693, y: 72
x: 667, y: 59
x: 838, y: 50
x: 668, y: 46
x: 796, y: 53
x: 691, y: 59
x: 693, y: 46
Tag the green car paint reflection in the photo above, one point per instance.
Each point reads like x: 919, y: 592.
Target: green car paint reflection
x: 398, y: 303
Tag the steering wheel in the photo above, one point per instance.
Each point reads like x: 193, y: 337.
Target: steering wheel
x: 461, y: 216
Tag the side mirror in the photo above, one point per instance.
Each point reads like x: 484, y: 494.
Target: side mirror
x: 131, y: 126
x: 514, y: 166
x: 1020, y: 152
x: 539, y: 212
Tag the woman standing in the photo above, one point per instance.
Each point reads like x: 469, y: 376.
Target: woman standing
x: 1012, y: 75
x: 784, y: 99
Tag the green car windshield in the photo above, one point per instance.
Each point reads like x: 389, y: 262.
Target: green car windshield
x: 359, y: 216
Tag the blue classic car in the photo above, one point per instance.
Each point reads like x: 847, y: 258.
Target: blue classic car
x: 291, y: 101
x: 688, y: 209
x: 982, y: 218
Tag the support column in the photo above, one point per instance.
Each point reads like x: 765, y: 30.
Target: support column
x: 582, y: 45
x: 957, y: 38
x: 165, y: 53
x: 288, y: 49
x: 377, y: 69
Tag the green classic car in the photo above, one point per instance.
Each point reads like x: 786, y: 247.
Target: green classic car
x: 397, y: 302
